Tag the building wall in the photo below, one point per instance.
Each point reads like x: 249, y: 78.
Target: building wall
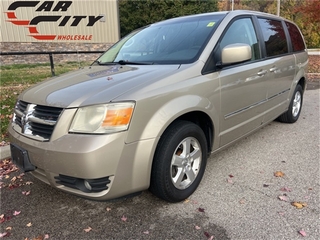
x: 77, y: 25
x: 76, y: 21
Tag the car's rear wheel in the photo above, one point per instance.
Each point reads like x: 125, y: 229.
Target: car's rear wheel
x: 295, y: 106
x: 179, y: 162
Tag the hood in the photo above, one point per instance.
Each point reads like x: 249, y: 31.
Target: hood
x: 94, y: 85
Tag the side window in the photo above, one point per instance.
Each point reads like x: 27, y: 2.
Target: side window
x: 274, y: 37
x: 296, y: 38
x: 242, y: 31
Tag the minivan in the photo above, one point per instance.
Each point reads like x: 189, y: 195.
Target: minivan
x: 150, y: 110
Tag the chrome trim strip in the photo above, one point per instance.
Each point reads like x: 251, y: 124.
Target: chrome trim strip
x: 229, y: 115
x: 18, y: 129
x: 39, y: 120
x: 18, y: 112
x: 244, y: 109
x: 278, y: 94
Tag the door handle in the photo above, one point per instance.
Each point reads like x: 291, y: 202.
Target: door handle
x: 262, y: 73
x: 273, y: 69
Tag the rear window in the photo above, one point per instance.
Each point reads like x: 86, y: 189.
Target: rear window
x: 274, y: 37
x: 296, y: 38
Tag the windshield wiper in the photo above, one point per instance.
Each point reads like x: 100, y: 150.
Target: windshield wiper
x: 123, y: 62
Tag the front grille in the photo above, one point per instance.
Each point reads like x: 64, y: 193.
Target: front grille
x: 36, y: 121
x: 47, y: 113
x: 20, y: 106
x: 41, y: 129
x: 84, y: 185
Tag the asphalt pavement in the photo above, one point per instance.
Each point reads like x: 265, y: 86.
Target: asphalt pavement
x: 264, y: 187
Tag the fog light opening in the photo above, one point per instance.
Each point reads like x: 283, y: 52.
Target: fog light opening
x: 87, y: 185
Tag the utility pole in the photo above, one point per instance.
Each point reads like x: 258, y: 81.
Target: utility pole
x: 228, y: 5
x: 278, y: 7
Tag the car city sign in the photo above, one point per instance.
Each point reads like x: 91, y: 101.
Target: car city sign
x: 60, y: 20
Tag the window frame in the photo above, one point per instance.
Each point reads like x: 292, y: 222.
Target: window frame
x: 262, y: 41
x: 211, y: 64
x: 300, y: 36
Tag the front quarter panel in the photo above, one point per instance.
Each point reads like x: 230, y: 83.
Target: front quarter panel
x: 157, y: 108
x: 154, y: 125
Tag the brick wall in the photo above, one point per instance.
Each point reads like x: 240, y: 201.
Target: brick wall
x: 47, y: 46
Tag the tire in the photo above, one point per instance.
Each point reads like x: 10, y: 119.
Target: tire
x: 179, y: 162
x: 295, y: 106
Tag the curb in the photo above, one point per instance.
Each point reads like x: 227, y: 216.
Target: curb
x: 5, y: 152
x: 314, y: 51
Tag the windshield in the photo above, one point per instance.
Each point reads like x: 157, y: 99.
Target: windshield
x: 175, y: 41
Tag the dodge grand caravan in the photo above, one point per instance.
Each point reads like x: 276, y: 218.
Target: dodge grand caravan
x: 149, y: 111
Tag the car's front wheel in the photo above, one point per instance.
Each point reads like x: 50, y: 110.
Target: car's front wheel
x: 179, y: 162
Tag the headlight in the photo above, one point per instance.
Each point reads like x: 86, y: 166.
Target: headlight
x: 106, y: 118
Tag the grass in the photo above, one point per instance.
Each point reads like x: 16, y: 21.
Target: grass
x: 16, y: 78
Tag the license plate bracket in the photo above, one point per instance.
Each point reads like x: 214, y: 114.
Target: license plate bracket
x: 20, y: 158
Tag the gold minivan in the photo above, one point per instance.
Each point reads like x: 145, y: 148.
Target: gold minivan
x: 149, y: 111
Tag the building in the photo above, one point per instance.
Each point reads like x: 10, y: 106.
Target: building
x: 38, y: 26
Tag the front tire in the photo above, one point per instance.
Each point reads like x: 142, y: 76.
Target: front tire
x: 179, y: 162
x: 295, y: 106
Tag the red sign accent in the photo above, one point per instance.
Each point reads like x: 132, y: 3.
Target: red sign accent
x: 12, y: 18
x: 19, y: 22
x: 43, y: 37
x: 33, y: 30
x: 11, y: 14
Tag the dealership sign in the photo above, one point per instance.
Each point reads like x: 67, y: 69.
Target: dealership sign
x: 57, y: 15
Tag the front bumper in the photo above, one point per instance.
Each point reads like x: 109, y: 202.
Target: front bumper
x: 127, y: 166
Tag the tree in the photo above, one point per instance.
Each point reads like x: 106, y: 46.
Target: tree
x: 135, y: 14
x: 306, y: 14
x: 308, y: 19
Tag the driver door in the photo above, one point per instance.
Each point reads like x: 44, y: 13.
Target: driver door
x: 242, y: 86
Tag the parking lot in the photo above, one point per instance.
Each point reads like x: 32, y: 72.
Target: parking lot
x: 264, y: 187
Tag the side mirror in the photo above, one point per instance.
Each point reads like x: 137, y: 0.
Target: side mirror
x: 235, y: 53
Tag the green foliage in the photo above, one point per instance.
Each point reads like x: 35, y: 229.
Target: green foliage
x: 308, y: 19
x: 304, y: 13
x: 136, y: 14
